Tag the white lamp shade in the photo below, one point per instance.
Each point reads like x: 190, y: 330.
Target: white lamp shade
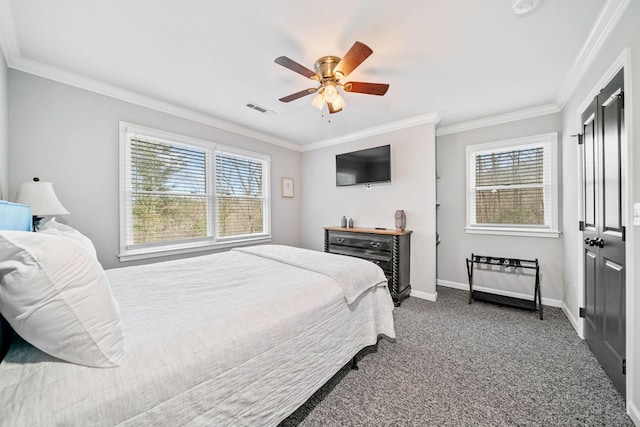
x: 318, y: 101
x: 330, y: 93
x: 41, y: 198
x: 338, y: 103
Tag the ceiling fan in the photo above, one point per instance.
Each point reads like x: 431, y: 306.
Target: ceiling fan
x: 329, y: 71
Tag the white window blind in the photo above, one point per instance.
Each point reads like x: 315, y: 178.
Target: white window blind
x: 168, y: 192
x: 512, y: 185
x: 240, y: 195
x: 178, y: 193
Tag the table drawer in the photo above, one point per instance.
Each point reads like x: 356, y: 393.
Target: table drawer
x: 363, y: 241
x: 385, y: 265
x: 383, y: 260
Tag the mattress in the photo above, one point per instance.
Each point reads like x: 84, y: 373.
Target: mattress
x: 227, y: 339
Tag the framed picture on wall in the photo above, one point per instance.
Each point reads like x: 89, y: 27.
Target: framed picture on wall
x: 286, y: 187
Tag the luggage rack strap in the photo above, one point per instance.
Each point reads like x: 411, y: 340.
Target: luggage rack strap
x: 503, y: 261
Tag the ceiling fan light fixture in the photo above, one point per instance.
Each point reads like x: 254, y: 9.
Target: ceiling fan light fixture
x: 329, y: 70
x: 318, y: 101
x: 330, y: 92
x: 338, y: 103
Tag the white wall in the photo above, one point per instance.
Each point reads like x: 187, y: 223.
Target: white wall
x: 412, y: 188
x: 625, y: 35
x: 69, y: 136
x: 457, y: 245
x: 4, y: 131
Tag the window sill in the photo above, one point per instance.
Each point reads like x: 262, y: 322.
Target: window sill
x: 520, y: 232
x: 147, y: 253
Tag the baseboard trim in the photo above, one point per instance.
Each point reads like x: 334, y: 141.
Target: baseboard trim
x: 424, y: 295
x: 455, y: 285
x: 465, y: 287
x: 633, y: 412
x: 577, y: 325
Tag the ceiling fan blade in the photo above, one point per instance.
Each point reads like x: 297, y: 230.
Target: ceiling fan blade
x: 294, y: 66
x: 354, y: 57
x: 332, y: 109
x: 368, y: 88
x: 300, y: 94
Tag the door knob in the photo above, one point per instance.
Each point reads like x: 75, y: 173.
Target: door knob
x: 591, y: 242
x: 599, y: 242
x: 587, y: 240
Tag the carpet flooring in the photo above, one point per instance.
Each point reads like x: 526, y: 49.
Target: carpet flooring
x: 455, y: 364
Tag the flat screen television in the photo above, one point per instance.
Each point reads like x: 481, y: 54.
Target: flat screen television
x: 369, y: 166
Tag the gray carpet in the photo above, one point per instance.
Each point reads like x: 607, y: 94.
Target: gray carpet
x: 455, y: 364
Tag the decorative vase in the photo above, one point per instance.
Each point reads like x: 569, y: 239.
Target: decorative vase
x: 350, y: 222
x: 343, y: 222
x: 401, y: 220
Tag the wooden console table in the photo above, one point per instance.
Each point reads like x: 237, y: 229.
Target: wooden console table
x: 390, y: 249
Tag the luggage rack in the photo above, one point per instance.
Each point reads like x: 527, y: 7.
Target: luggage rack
x: 513, y: 263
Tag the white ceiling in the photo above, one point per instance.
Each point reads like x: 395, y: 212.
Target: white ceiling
x: 460, y: 59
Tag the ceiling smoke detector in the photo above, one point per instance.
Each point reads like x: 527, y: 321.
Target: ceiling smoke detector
x: 525, y: 7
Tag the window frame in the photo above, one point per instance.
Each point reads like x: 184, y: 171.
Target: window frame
x: 266, y: 213
x: 129, y: 252
x: 549, y: 142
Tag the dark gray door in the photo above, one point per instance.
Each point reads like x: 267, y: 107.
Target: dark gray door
x: 604, y: 232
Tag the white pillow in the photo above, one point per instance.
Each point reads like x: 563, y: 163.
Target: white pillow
x: 56, y: 296
x: 54, y: 227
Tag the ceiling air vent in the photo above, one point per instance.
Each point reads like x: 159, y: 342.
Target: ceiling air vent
x: 259, y: 108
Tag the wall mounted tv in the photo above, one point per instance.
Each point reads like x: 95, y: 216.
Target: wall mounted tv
x: 369, y: 166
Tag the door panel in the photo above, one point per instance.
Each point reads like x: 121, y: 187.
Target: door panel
x: 604, y: 246
x: 590, y: 277
x: 613, y: 315
x: 612, y: 166
x: 589, y: 131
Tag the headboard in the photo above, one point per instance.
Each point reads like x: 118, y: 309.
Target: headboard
x: 12, y: 217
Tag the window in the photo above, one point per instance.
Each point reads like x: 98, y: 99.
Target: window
x: 179, y: 194
x: 512, y: 187
x: 239, y: 196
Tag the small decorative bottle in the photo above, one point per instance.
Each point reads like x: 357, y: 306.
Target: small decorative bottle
x: 401, y: 220
x: 343, y: 222
x: 350, y: 222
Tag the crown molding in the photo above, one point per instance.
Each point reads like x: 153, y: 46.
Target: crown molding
x: 604, y: 25
x: 8, y: 35
x: 378, y: 130
x: 528, y: 113
x: 56, y: 74
x: 607, y: 19
x: 14, y: 59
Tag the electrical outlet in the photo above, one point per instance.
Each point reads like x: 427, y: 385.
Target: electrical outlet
x: 636, y: 214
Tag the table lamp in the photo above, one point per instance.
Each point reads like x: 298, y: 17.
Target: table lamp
x: 42, y: 200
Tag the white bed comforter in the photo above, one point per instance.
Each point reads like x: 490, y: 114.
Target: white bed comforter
x: 225, y: 339
x: 354, y: 276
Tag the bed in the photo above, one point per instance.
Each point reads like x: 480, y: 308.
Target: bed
x: 242, y: 337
